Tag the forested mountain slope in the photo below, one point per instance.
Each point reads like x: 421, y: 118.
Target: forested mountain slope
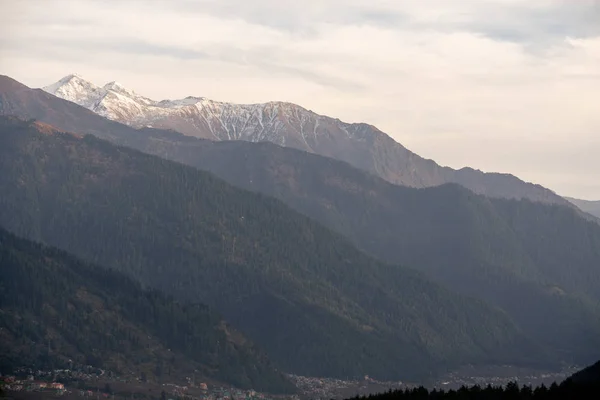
x: 315, y: 303
x: 589, y: 375
x: 541, y: 263
x: 57, y: 311
x: 389, y: 220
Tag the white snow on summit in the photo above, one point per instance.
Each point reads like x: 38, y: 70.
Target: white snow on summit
x: 361, y: 145
x: 281, y: 123
x: 76, y: 89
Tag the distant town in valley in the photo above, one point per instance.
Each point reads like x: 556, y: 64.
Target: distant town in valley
x: 94, y: 383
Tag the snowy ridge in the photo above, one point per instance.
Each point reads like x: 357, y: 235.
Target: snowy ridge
x: 282, y: 123
x: 361, y: 145
x: 74, y: 88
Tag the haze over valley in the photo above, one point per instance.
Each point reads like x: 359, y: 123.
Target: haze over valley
x: 256, y: 248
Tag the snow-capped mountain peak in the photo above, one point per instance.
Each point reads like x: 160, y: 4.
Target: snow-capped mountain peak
x: 74, y: 80
x: 282, y: 123
x: 188, y: 101
x: 73, y: 76
x: 289, y: 125
x: 115, y: 86
x: 75, y: 88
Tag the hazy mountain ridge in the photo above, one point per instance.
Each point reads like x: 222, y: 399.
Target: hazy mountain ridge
x: 298, y: 290
x: 290, y: 125
x: 507, y: 252
x: 590, y: 207
x: 56, y: 309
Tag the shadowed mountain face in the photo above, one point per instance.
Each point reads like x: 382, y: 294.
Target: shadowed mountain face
x: 588, y: 376
x: 56, y: 309
x: 590, y: 207
x: 538, y: 262
x: 289, y: 125
x: 317, y: 305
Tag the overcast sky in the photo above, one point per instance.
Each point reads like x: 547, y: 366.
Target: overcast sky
x: 499, y: 85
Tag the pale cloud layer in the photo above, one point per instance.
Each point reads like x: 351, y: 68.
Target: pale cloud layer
x: 499, y: 85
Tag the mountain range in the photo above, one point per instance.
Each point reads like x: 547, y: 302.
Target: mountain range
x: 290, y: 125
x: 60, y: 312
x: 507, y: 252
x: 535, y: 262
x: 316, y: 305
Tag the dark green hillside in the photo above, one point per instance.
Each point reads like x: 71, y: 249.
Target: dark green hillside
x: 399, y: 224
x: 540, y: 263
x: 564, y: 248
x: 316, y: 304
x: 55, y: 308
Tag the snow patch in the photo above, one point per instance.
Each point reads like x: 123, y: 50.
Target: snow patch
x: 278, y: 122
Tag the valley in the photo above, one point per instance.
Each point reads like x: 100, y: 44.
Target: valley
x: 81, y: 385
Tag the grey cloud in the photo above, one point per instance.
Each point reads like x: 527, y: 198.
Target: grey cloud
x: 542, y: 25
x: 78, y: 46
x: 519, y: 22
x: 321, y: 79
x: 276, y: 60
x: 293, y: 16
x: 145, y: 48
x: 526, y: 22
